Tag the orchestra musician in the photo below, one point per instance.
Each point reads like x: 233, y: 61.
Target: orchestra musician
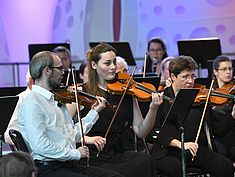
x: 168, y: 144
x: 156, y: 52
x: 64, y: 54
x: 102, y: 67
x: 83, y: 73
x: 47, y: 126
x: 223, y: 73
x: 165, y: 76
x: 121, y: 65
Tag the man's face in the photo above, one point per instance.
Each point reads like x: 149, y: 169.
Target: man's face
x: 65, y: 58
x: 56, y: 76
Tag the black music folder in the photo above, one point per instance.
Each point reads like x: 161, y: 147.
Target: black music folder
x: 35, y: 48
x: 181, y: 105
x: 201, y: 49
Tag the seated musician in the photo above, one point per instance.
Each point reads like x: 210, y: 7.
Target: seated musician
x: 225, y: 134
x: 166, y: 148
x: 47, y: 127
x: 101, y: 61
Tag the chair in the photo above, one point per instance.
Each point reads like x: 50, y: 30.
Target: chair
x: 18, y: 140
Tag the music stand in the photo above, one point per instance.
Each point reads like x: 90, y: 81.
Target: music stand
x: 6, y: 91
x: 35, y: 48
x: 203, y: 81
x: 201, y: 50
x: 123, y: 50
x: 7, y: 107
x: 178, y: 112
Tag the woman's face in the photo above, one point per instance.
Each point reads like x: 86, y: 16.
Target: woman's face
x: 156, y: 51
x: 224, y: 73
x: 106, y: 66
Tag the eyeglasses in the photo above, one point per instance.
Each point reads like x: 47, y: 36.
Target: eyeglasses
x: 60, y: 68
x: 156, y: 50
x: 225, y: 69
x: 187, y: 77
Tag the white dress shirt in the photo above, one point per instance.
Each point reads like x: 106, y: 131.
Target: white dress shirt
x: 48, y: 130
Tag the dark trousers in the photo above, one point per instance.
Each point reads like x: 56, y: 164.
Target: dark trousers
x: 210, y: 162
x: 71, y: 169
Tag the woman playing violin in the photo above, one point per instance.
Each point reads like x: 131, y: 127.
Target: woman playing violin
x: 114, y: 156
x: 167, y: 145
x: 223, y: 72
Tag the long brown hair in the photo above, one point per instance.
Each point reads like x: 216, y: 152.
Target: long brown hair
x: 95, y: 55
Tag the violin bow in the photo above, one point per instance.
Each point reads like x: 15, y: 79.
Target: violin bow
x: 67, y: 80
x: 119, y: 104
x: 145, y: 62
x: 78, y: 111
x: 204, y: 111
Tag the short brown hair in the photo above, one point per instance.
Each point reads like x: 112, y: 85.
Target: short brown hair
x: 181, y: 63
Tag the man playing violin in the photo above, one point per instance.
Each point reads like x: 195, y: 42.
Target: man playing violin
x: 168, y: 144
x: 225, y: 134
x: 47, y: 128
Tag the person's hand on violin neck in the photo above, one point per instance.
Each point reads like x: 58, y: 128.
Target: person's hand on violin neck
x: 157, y: 99
x: 100, y: 104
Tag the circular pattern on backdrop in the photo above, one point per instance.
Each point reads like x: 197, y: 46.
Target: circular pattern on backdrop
x: 200, y: 32
x: 143, y: 17
x: 219, y: 3
x: 179, y: 9
x: 158, y: 31
x: 57, y: 17
x: 157, y: 10
x: 232, y: 40
x: 68, y: 6
x: 70, y: 22
x: 220, y: 29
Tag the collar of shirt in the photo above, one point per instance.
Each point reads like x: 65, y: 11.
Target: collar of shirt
x: 44, y: 92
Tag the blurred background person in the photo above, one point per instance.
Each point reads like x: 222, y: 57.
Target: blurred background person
x: 83, y: 73
x: 121, y: 65
x: 17, y: 164
x: 165, y: 75
x: 156, y: 52
x: 64, y: 54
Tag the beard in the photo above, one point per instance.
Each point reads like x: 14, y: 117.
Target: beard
x: 53, y: 82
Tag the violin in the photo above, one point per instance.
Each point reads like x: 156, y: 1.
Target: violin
x: 218, y: 96
x: 142, y: 91
x: 66, y: 95
x: 230, y: 87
